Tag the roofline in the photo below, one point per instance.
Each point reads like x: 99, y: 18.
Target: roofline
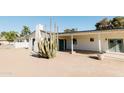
x: 40, y: 30
x: 85, y: 32
x: 90, y: 32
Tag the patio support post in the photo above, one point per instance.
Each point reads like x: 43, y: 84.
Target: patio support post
x: 72, y: 50
x: 99, y: 42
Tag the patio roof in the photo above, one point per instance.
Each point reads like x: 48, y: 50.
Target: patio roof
x: 92, y: 32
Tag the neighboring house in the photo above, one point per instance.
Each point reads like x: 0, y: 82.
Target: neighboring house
x: 22, y: 42
x: 3, y: 41
x: 32, y: 38
x: 93, y: 40
x: 29, y: 41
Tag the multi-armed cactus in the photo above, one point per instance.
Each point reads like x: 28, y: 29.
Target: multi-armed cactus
x: 48, y: 46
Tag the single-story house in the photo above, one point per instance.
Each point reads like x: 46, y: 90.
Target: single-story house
x: 29, y: 40
x: 92, y: 40
x: 32, y: 38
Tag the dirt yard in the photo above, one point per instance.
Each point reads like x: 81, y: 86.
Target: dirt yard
x: 19, y: 62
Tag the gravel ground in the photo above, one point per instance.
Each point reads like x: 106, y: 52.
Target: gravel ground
x: 19, y: 62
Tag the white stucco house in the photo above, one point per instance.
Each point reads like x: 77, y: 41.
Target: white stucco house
x: 33, y: 38
x: 92, y: 40
x: 29, y: 41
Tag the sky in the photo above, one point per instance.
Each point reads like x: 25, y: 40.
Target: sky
x: 16, y: 23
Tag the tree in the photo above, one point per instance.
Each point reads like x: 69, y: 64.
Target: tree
x: 25, y: 31
x: 69, y: 30
x: 118, y: 22
x: 115, y: 23
x: 10, y: 36
x: 2, y: 33
x: 104, y: 24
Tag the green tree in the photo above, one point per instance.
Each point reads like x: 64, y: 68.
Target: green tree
x: 3, y: 34
x: 69, y: 30
x: 11, y: 36
x: 115, y: 23
x: 25, y: 31
x: 104, y: 24
x: 118, y: 22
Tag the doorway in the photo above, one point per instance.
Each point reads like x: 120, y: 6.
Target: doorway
x: 62, y: 44
x: 33, y: 40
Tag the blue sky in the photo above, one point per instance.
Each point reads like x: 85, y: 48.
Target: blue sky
x: 10, y: 23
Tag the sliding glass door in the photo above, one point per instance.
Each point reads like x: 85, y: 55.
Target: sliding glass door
x: 115, y: 45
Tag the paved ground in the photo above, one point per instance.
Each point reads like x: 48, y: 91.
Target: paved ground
x: 19, y: 62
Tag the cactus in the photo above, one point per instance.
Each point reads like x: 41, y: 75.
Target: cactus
x: 48, y: 48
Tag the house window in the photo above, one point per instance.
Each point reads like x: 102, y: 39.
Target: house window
x: 75, y: 41
x: 91, y: 39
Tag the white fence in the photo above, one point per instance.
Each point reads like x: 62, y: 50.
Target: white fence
x: 21, y: 44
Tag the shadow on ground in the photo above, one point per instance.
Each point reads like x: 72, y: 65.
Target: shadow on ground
x: 93, y: 57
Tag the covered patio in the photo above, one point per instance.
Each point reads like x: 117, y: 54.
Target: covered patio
x: 96, y: 41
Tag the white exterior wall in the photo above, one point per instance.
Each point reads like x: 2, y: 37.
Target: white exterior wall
x: 30, y: 43
x: 21, y: 44
x: 33, y: 36
x: 31, y: 40
x: 83, y: 41
x: 4, y: 42
x: 105, y: 38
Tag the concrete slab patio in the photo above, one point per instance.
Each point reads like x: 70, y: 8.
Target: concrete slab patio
x: 19, y: 62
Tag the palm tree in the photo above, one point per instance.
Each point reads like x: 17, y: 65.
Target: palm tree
x: 25, y: 31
